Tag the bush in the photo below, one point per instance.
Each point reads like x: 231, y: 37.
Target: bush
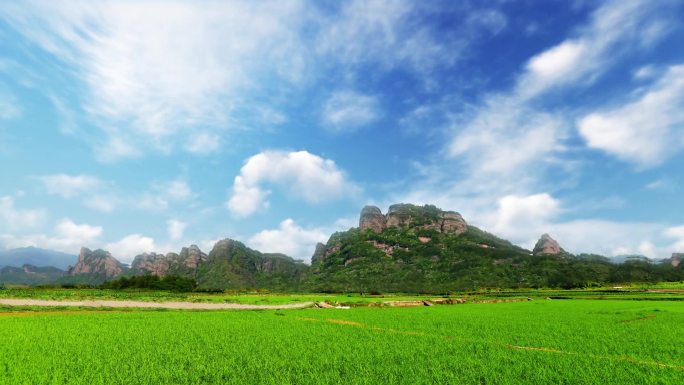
x: 170, y: 283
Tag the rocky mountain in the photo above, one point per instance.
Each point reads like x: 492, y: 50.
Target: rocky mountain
x: 232, y: 265
x: 30, y: 275
x: 408, y: 215
x: 94, y: 267
x: 183, y: 264
x: 414, y: 248
x: 676, y: 259
x: 409, y: 249
x: 229, y: 265
x: 425, y: 249
x: 547, y: 246
x: 36, y: 257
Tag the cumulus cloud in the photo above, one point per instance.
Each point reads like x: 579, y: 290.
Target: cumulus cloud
x: 290, y: 239
x: 69, y: 186
x: 348, y: 110
x: 130, y: 246
x: 14, y: 218
x: 68, y: 237
x: 525, y: 217
x: 72, y: 233
x: 302, y: 174
x: 645, y: 131
x: 176, y: 229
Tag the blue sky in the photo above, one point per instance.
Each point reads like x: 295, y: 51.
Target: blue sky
x: 147, y: 126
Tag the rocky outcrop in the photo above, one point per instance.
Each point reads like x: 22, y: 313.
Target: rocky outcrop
x: 183, y: 264
x: 97, y: 263
x: 453, y: 223
x: 153, y: 263
x: 191, y: 257
x: 372, y: 218
x: 547, y: 246
x: 676, y: 259
x: 408, y: 215
x: 319, y: 253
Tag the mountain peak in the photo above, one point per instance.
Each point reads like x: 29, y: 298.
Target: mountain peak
x: 547, y: 246
x: 409, y: 215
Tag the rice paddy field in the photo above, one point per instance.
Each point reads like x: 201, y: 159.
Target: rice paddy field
x: 538, y: 341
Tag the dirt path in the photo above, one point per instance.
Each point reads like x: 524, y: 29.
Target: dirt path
x: 156, y: 305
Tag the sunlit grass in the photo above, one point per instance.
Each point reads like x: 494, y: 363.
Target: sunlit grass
x: 573, y: 341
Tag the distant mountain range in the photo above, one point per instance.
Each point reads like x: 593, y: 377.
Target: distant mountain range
x: 409, y: 249
x: 36, y: 257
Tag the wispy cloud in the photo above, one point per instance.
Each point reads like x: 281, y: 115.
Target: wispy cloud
x: 69, y: 186
x: 348, y: 110
x: 9, y: 106
x: 155, y: 69
x: 645, y: 131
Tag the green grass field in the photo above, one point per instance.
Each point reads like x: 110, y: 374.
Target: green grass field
x: 535, y: 342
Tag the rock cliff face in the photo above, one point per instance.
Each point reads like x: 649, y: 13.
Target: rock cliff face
x: 232, y: 265
x: 184, y: 264
x: 547, y: 246
x: 153, y: 263
x: 372, y: 218
x: 676, y: 259
x: 319, y: 253
x: 98, y: 262
x: 192, y: 256
x: 408, y: 215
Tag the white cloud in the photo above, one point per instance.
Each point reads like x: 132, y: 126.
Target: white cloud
x: 72, y: 233
x: 615, y: 27
x: 646, y: 131
x: 302, y: 174
x: 522, y: 217
x: 557, y: 62
x: 645, y: 72
x: 153, y: 69
x: 130, y: 246
x: 507, y: 142
x: 176, y: 229
x: 390, y: 34
x: 676, y: 233
x: 69, y: 186
x: 103, y: 203
x: 203, y: 143
x: 608, y: 238
x: 13, y: 218
x: 163, y: 194
x: 348, y: 110
x: 68, y: 237
x: 290, y: 239
x: 505, y: 137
